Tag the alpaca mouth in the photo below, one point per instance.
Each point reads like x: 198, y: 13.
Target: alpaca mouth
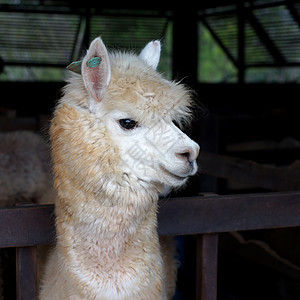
x: 167, y: 172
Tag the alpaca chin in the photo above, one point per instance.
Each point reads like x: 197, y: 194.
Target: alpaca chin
x: 165, y: 192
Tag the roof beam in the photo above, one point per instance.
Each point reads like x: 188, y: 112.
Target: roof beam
x: 218, y: 40
x: 293, y: 11
x: 241, y: 42
x: 185, y: 58
x: 265, y: 39
x: 79, y: 37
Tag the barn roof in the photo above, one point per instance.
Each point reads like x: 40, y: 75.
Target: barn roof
x: 53, y: 33
x: 268, y: 32
x: 35, y: 35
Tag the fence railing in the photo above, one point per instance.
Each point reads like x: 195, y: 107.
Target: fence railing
x: 25, y: 227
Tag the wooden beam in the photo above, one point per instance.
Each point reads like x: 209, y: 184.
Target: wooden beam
x: 293, y: 11
x: 27, y: 226
x: 219, y: 42
x: 249, y: 172
x: 265, y: 38
x: 26, y: 273
x: 241, y: 42
x: 185, y: 44
x: 30, y: 226
x: 208, y: 214
x: 206, y: 266
x: 259, y: 252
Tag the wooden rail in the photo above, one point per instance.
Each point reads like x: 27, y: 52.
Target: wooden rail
x: 204, y: 216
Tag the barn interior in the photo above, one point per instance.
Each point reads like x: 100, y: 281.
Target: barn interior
x: 242, y: 59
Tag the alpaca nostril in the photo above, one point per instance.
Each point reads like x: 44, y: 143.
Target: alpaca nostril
x: 184, y: 155
x: 189, y: 154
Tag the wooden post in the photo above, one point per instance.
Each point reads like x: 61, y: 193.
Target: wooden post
x: 185, y: 45
x: 26, y: 273
x: 206, y: 268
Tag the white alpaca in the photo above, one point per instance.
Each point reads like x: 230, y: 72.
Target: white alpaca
x: 115, y: 148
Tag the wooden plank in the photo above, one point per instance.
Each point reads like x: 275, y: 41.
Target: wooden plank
x: 27, y: 226
x: 26, y: 273
x: 34, y: 225
x: 207, y: 266
x: 197, y: 215
x: 249, y: 172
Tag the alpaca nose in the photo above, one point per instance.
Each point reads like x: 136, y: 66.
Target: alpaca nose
x: 189, y: 154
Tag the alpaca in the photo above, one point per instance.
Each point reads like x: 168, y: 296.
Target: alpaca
x: 115, y: 148
x: 25, y: 172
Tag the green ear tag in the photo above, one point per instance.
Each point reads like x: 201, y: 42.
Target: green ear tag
x: 94, y: 62
x: 75, y: 67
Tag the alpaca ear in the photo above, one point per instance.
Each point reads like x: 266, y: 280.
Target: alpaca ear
x: 95, y: 70
x: 151, y: 53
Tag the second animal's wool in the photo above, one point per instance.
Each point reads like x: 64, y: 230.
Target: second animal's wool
x: 25, y: 169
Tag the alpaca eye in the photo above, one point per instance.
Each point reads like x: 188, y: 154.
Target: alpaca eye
x: 128, y: 124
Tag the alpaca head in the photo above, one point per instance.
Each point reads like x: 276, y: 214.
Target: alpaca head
x: 136, y: 109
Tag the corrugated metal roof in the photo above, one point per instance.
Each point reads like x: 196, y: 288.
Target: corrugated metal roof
x: 34, y: 35
x: 37, y: 38
x: 283, y: 29
x: 131, y: 32
x: 271, y: 31
x: 52, y: 33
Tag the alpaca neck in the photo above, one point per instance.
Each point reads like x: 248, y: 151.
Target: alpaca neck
x: 106, y: 225
x: 121, y: 241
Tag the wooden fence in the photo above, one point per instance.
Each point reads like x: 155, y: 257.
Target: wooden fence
x: 25, y: 227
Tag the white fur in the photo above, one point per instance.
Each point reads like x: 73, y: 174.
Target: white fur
x: 146, y: 149
x: 151, y: 53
